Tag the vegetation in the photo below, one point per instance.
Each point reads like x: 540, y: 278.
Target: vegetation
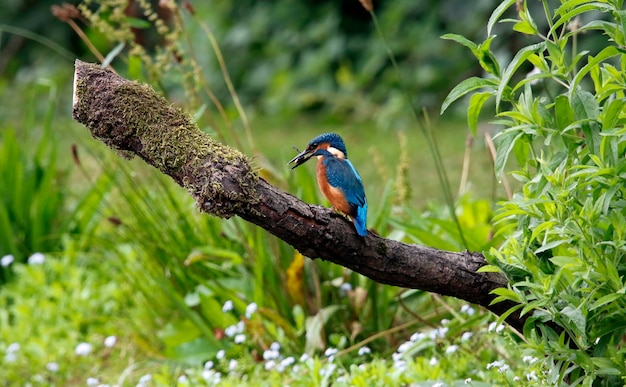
x: 110, y: 276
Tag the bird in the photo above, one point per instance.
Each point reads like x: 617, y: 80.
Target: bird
x: 337, y: 178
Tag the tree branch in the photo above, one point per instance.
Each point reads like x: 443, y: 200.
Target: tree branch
x: 131, y: 117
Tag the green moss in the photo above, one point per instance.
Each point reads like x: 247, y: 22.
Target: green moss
x: 129, y: 116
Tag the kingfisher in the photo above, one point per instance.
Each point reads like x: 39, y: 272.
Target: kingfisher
x: 337, y: 178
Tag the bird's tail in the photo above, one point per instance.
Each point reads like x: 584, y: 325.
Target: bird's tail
x: 360, y: 220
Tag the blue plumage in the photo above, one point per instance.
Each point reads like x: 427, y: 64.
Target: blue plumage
x: 339, y: 181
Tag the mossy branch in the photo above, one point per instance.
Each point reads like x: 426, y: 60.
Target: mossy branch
x: 131, y: 117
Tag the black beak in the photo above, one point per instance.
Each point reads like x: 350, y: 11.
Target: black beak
x: 301, y: 158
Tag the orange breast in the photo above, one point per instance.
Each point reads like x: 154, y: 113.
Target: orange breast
x: 334, y: 195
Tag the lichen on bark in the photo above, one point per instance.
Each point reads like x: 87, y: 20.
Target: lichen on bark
x: 132, y: 117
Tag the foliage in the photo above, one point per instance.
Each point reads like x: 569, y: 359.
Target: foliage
x: 469, y: 349
x: 55, y: 317
x: 36, y: 209
x: 285, y: 58
x: 199, y: 299
x: 565, y: 124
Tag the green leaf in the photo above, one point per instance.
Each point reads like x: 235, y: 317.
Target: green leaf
x: 113, y: 54
x: 516, y: 62
x: 465, y: 87
x: 135, y: 67
x: 486, y: 58
x: 504, y: 142
x: 475, y: 106
x: 525, y: 27
x: 606, y: 300
x: 603, y: 55
x: 586, y: 109
x: 488, y: 269
x: 461, y: 40
x: 578, y: 320
x: 563, y: 112
x: 315, y: 328
x: 612, y: 114
x: 506, y: 293
x: 213, y: 253
x: 497, y: 13
x: 137, y: 23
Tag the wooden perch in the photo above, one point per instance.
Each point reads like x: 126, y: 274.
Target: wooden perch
x: 131, y: 117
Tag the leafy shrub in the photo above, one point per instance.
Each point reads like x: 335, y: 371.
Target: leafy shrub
x: 564, y: 122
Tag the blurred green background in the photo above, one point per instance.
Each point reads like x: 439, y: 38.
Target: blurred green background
x: 128, y: 255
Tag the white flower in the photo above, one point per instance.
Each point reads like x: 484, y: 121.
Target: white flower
x: 7, y: 260
x: 228, y: 306
x: 208, y: 365
x: 497, y: 327
x: 433, y: 361
x: 467, y: 310
x: 468, y: 381
x: 497, y: 363
x: 230, y: 331
x: 400, y: 365
x: 110, y: 341
x: 466, y: 336
x: 438, y: 333
x: 405, y: 346
x: 345, y: 288
x: 275, y: 346
x: 438, y: 384
x: 286, y: 362
x: 396, y: 356
x: 330, y: 352
x: 36, y: 259
x: 445, y: 321
x: 220, y: 354
x: 10, y: 357
x: 328, y: 370
x: 504, y: 368
x: 92, y: 382
x: 269, y: 365
x: 232, y: 365
x: 52, y: 366
x: 531, y: 376
x: 364, y: 351
x: 270, y: 354
x: 529, y: 359
x: 452, y: 349
x: 240, y: 338
x: 250, y: 309
x: 417, y: 336
x: 240, y: 327
x: 13, y: 347
x: 207, y: 374
x: 145, y: 379
x: 183, y: 379
x: 304, y: 357
x: 212, y: 376
x: 83, y: 349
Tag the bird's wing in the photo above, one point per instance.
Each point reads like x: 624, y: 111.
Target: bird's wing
x: 342, y: 174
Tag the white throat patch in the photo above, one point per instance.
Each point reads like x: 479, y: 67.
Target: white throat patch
x: 336, y: 152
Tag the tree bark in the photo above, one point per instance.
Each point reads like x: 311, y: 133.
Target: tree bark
x: 131, y: 117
